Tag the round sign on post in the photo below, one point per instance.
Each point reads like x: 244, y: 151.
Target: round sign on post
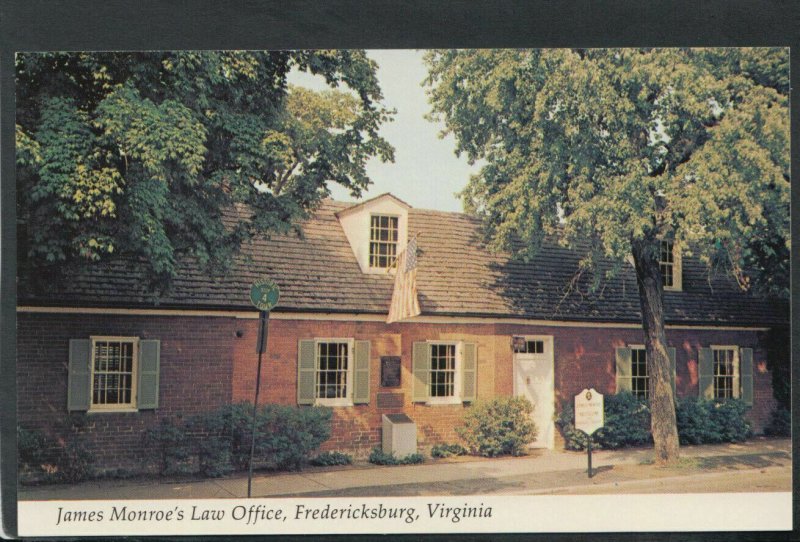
x: 264, y: 294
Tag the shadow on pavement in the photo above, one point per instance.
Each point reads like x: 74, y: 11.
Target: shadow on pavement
x: 752, y: 461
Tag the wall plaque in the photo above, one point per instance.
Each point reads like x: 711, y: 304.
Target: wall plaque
x: 390, y: 371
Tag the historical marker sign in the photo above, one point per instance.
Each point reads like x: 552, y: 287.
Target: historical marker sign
x: 589, y: 411
x: 264, y: 294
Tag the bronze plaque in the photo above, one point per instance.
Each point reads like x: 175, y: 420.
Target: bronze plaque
x: 390, y: 400
x: 390, y: 371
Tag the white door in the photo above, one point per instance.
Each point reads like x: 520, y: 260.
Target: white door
x: 534, y: 379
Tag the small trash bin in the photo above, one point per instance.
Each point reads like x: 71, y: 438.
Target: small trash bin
x: 399, y: 435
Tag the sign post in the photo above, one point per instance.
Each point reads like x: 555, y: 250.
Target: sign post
x: 264, y: 295
x: 589, y: 416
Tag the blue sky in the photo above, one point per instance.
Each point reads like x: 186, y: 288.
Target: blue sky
x: 426, y: 173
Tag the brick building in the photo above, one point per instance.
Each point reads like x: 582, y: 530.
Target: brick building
x: 104, y: 358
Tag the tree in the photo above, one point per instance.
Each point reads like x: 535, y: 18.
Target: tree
x: 148, y: 153
x: 628, y: 148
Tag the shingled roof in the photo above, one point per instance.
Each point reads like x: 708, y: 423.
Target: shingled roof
x: 456, y: 275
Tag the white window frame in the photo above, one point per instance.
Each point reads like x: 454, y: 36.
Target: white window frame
x: 547, y: 341
x: 458, y: 377
x: 347, y: 400
x: 118, y: 407
x: 677, y: 266
x: 370, y: 241
x: 736, y: 384
x: 644, y: 348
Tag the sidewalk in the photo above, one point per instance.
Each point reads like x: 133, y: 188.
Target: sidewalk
x: 544, y: 471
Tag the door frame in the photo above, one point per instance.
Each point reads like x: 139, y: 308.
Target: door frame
x: 547, y: 356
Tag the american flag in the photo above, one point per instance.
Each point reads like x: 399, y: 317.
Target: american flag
x: 404, y: 298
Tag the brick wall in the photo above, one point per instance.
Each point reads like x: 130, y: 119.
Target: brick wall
x: 210, y: 361
x: 195, y: 376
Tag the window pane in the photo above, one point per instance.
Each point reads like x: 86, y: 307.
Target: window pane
x: 332, y: 358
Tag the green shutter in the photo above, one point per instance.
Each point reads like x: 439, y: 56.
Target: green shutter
x: 149, y: 363
x: 361, y: 373
x: 705, y: 372
x: 672, y: 368
x: 470, y: 366
x: 420, y: 369
x: 80, y: 374
x: 623, y: 357
x: 306, y: 372
x: 746, y: 375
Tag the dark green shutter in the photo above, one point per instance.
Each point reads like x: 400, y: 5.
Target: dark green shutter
x: 420, y: 369
x: 80, y: 374
x: 361, y: 373
x: 672, y: 367
x: 746, y: 375
x: 149, y: 363
x: 470, y: 370
x: 705, y: 370
x: 623, y: 358
x: 306, y: 372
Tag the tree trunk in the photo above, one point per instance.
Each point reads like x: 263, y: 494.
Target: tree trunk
x: 662, y: 403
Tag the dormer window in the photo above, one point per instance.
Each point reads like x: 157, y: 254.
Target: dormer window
x: 670, y: 262
x: 383, y: 237
x: 377, y: 231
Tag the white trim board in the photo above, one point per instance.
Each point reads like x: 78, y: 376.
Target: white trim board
x: 358, y: 317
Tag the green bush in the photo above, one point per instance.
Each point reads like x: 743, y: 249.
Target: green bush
x: 498, y: 427
x: 448, y: 450
x: 378, y: 457
x: 627, y: 423
x: 694, y: 422
x: 329, y: 459
x: 702, y: 421
x: 55, y: 460
x: 285, y: 437
x: 780, y: 423
x: 167, y: 442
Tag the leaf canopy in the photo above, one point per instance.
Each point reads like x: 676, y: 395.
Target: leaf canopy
x: 625, y: 146
x: 145, y: 153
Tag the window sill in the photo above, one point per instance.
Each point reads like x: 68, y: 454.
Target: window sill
x: 111, y: 410
x: 333, y: 402
x: 435, y: 401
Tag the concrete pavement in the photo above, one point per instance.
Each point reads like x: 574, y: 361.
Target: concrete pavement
x: 543, y: 471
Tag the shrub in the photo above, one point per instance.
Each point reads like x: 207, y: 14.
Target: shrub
x: 167, y: 442
x: 780, y: 423
x: 285, y: 436
x: 378, y: 457
x: 328, y: 459
x: 498, y: 427
x: 728, y: 416
x: 448, y: 450
x: 627, y: 423
x: 694, y: 422
x: 55, y: 459
x: 702, y: 421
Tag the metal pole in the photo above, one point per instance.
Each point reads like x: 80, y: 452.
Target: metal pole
x: 590, y: 456
x: 260, y: 347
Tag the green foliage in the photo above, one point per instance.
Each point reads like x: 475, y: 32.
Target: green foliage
x: 703, y: 421
x: 498, y: 427
x: 53, y: 459
x: 780, y: 423
x: 626, y: 146
x: 448, y: 450
x: 167, y: 442
x: 220, y: 440
x: 627, y: 423
x: 378, y: 457
x: 147, y: 153
x: 328, y: 459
